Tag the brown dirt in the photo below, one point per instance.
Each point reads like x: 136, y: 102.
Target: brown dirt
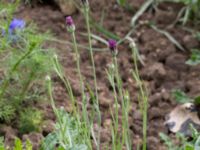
x: 165, y: 67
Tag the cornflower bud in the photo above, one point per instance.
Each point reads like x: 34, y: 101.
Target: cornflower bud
x: 70, y: 24
x: 112, y: 44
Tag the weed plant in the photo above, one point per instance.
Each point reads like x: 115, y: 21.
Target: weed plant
x: 18, y: 145
x: 184, y: 143
x: 30, y: 119
x: 190, y: 11
x: 84, y: 120
x: 24, y: 64
x: 181, y: 97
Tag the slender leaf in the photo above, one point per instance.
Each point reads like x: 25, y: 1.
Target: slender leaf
x: 181, y: 97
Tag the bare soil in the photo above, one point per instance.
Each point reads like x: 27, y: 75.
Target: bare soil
x: 164, y: 68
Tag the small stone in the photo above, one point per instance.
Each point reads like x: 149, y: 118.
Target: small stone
x: 137, y: 140
x: 107, y: 123
x: 35, y: 139
x: 137, y: 115
x: 190, y: 42
x: 177, y: 62
x: 154, y: 112
x: 136, y: 127
x: 152, y: 141
x: 105, y: 135
x: 154, y: 71
x: 48, y: 126
x: 104, y: 100
x: 166, y: 50
x: 155, y: 98
x: 67, y: 6
x: 165, y: 94
x: 193, y: 86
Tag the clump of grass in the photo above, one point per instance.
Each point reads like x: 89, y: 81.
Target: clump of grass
x: 190, y: 11
x: 122, y: 100
x: 143, y: 93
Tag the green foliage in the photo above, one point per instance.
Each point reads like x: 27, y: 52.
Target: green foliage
x: 18, y: 145
x: 197, y: 35
x: 121, y: 2
x: 184, y: 143
x: 68, y: 134
x: 191, y: 9
x: 194, y: 58
x: 7, y: 111
x: 167, y: 141
x: 24, y: 65
x: 28, y: 145
x: 7, y: 9
x: 181, y: 97
x: 30, y: 119
x: 197, y: 100
x: 2, y: 143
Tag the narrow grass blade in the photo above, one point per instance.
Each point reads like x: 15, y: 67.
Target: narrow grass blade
x: 141, y: 11
x: 96, y: 37
x: 107, y: 33
x: 70, y: 43
x: 121, y: 2
x: 169, y: 36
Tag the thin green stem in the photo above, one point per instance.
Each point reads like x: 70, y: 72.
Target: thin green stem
x: 143, y: 94
x: 78, y: 64
x: 86, y: 10
x: 84, y: 102
x: 26, y: 86
x: 118, y: 78
x: 111, y: 76
x: 65, y: 81
x: 86, y: 13
x: 120, y: 90
x: 55, y: 110
x: 6, y: 82
x: 125, y: 109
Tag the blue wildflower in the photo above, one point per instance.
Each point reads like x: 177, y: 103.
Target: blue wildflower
x: 16, y: 24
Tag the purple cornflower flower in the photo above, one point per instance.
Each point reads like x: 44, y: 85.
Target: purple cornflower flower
x: 70, y: 24
x: 112, y: 44
x: 16, y: 24
x: 69, y: 21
